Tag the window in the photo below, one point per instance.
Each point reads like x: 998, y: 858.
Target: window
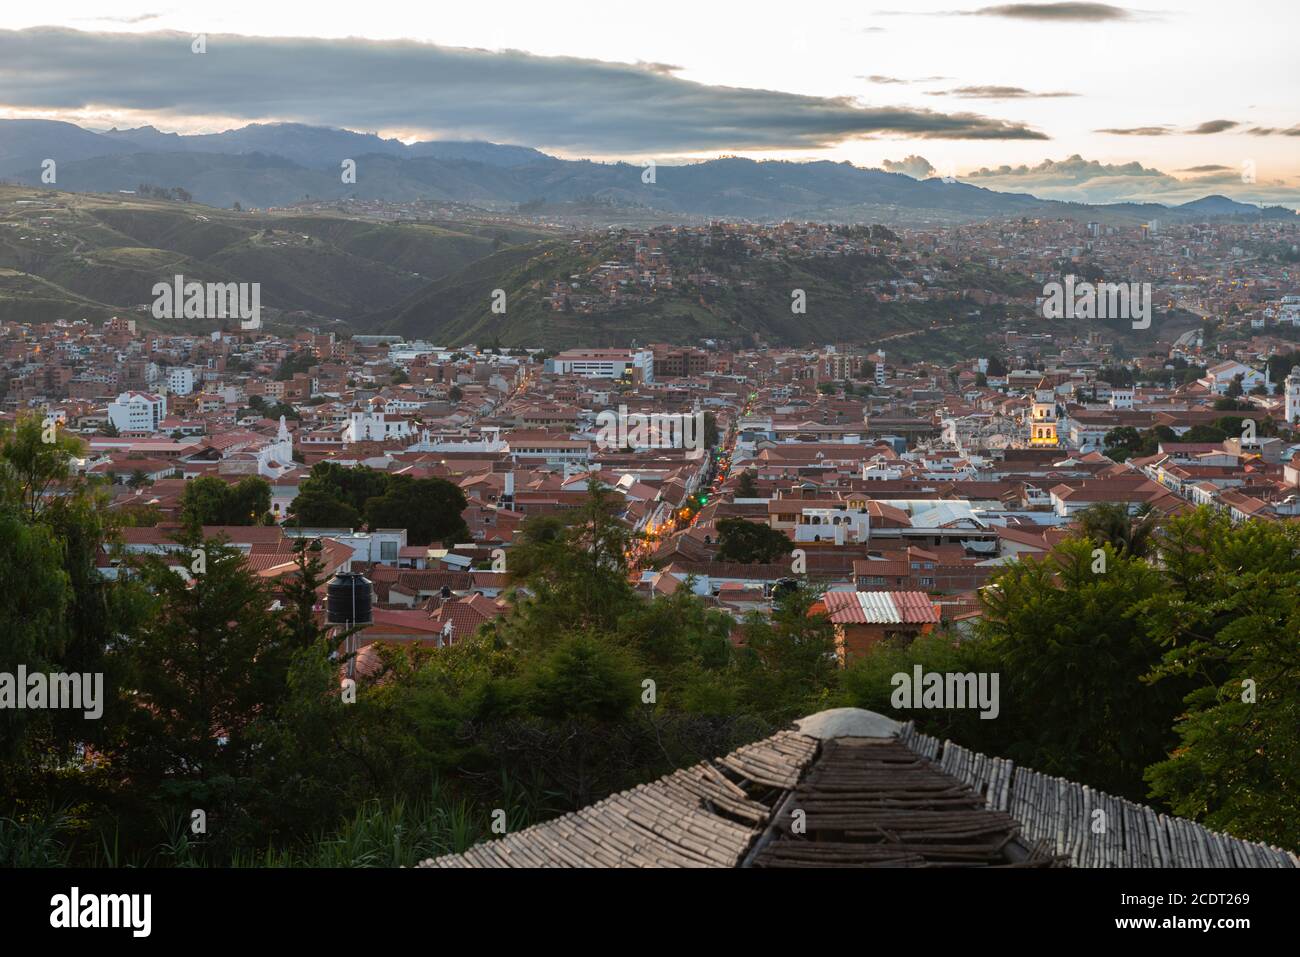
x: 388, y: 551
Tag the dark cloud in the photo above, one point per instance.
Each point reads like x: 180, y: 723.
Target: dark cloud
x: 1213, y: 126
x: 566, y: 103
x: 1274, y: 131
x: 1072, y: 12
x: 995, y: 93
x: 1202, y: 129
x: 1204, y: 169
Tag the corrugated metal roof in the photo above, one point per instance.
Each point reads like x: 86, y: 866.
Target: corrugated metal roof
x: 915, y: 607
x: 880, y: 607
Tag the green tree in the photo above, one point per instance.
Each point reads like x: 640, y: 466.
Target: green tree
x: 790, y: 666
x: 209, y: 659
x: 353, y: 486
x: 429, y: 509
x: 1109, y: 523
x: 315, y: 506
x: 1204, y: 433
x: 33, y: 467
x: 1229, y: 618
x: 1073, y: 656
x: 750, y: 542
x: 209, y: 500
x: 33, y: 614
x: 574, y: 570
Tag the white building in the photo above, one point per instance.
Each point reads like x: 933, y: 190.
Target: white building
x: 180, y: 380
x: 374, y: 427
x: 603, y: 363
x: 1219, y: 377
x: 137, y: 411
x: 1292, y: 387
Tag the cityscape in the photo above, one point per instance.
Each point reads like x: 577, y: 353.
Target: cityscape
x: 408, y: 489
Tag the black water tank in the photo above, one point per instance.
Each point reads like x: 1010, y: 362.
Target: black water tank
x: 348, y: 601
x: 784, y: 586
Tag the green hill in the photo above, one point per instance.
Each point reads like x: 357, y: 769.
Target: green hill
x: 93, y: 255
x: 750, y: 303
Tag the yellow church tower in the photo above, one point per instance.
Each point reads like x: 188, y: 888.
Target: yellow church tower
x: 1042, y: 417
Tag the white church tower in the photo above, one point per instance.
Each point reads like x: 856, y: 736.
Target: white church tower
x: 1292, y: 386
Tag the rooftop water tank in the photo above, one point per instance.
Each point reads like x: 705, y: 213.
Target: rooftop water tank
x: 348, y: 599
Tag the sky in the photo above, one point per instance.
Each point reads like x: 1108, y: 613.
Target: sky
x: 1085, y: 101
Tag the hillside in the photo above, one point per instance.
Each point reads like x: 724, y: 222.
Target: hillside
x: 64, y: 255
x: 708, y: 284
x: 744, y: 301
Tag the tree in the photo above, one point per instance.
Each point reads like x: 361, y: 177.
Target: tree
x: 790, y: 662
x: 997, y: 368
x: 354, y: 486
x: 1231, y: 405
x: 1204, y: 433
x: 584, y: 678
x: 574, y: 570
x: 1109, y: 523
x: 315, y: 506
x: 31, y: 467
x: 203, y: 665
x: 1228, y: 618
x: 33, y: 615
x: 1073, y: 657
x: 750, y: 542
x: 1234, y: 387
x: 747, y: 487
x: 210, y: 501
x: 429, y: 509
x: 711, y: 434
x: 1122, y: 442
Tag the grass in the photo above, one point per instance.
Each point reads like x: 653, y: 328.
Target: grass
x: 396, y: 833
x: 392, y: 832
x: 34, y: 842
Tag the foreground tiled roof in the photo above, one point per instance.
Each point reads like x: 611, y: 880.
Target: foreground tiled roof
x: 849, y: 788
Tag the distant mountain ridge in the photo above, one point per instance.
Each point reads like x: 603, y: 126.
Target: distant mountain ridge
x: 279, y: 164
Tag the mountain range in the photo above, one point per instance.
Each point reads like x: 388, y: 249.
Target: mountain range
x: 279, y: 164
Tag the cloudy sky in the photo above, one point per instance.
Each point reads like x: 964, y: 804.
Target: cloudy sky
x: 1066, y: 100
